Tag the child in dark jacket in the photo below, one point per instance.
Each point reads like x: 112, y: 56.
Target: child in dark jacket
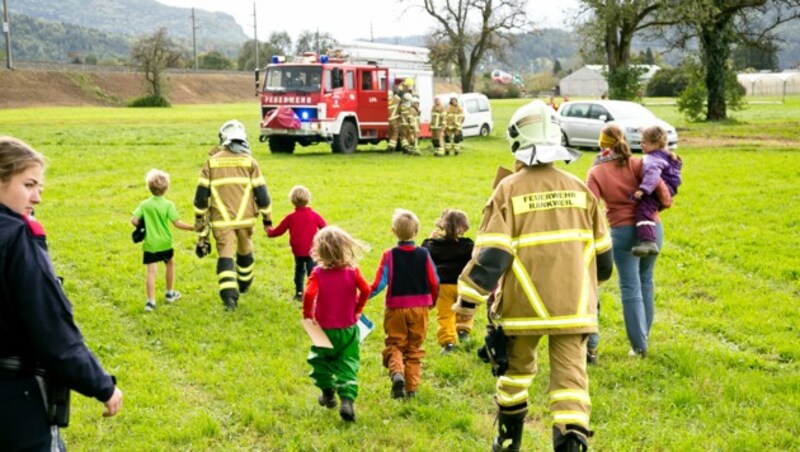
x: 302, y: 224
x: 409, y: 275
x: 335, y: 296
x: 450, y: 251
x: 658, y: 163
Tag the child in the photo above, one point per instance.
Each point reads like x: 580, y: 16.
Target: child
x: 157, y: 212
x: 658, y: 162
x: 302, y: 224
x: 410, y: 275
x: 450, y: 251
x: 330, y: 299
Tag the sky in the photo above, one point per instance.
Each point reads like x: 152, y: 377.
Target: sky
x: 353, y: 19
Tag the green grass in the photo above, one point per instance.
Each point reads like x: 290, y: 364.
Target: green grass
x: 723, y: 375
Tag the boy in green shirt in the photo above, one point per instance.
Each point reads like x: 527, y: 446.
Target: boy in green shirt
x: 157, y: 212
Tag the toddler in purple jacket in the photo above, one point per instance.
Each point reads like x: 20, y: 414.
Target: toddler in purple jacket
x: 658, y: 163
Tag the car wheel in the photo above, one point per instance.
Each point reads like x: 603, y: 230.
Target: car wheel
x: 484, y: 132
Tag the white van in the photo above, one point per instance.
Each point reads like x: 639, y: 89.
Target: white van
x: 477, y: 113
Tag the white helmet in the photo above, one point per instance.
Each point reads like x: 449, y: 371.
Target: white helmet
x: 408, y: 98
x: 232, y: 130
x: 535, y: 135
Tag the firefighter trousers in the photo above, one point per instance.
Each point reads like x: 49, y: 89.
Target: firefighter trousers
x: 234, y: 277
x: 405, y: 330
x: 568, y: 395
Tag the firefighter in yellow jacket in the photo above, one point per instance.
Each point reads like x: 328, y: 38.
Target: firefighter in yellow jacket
x: 453, y: 118
x: 542, y: 247
x: 231, y: 192
x: 437, y: 126
x: 394, y: 120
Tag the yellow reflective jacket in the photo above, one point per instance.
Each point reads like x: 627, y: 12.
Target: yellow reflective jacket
x: 437, y: 117
x: 453, y: 117
x: 394, y: 110
x: 231, y: 190
x: 537, y: 242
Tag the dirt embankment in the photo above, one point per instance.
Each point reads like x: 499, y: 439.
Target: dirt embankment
x: 40, y: 88
x: 24, y: 88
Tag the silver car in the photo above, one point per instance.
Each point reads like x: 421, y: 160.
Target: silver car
x: 582, y: 121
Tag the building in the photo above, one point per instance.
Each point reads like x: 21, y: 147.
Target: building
x: 590, y: 81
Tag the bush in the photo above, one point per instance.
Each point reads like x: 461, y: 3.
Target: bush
x: 149, y: 101
x: 668, y: 82
x: 495, y: 91
x: 623, y: 83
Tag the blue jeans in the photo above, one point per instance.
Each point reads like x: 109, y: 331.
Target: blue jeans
x: 635, y: 284
x: 594, y: 338
x: 302, y: 268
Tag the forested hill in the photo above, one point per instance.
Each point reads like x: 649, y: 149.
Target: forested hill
x: 128, y: 18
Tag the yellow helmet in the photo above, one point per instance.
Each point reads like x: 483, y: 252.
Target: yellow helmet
x: 408, y: 82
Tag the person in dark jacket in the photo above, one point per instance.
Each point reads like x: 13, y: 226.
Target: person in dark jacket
x: 450, y: 251
x: 41, y: 348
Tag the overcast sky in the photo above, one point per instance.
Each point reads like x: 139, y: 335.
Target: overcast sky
x: 342, y: 19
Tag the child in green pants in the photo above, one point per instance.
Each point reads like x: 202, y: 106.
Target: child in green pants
x: 335, y: 296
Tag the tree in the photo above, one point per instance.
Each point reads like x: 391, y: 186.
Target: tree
x: 279, y: 43
x: 557, y: 67
x: 717, y: 25
x: 760, y: 56
x: 466, y: 30
x: 214, y: 60
x: 154, y: 54
x: 648, y: 57
x: 610, y: 28
x: 310, y: 41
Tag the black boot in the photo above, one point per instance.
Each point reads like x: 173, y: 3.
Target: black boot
x: 575, y: 439
x: 510, y: 427
x: 328, y: 398
x: 347, y: 412
x: 230, y: 303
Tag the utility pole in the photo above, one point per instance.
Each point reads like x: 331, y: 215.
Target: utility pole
x: 194, y: 39
x: 255, y: 33
x: 7, y: 34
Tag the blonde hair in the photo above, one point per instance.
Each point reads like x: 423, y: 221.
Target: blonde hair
x: 617, y: 140
x: 453, y: 223
x: 405, y: 224
x: 16, y: 156
x: 299, y: 196
x: 655, y: 135
x: 157, y: 182
x: 333, y: 247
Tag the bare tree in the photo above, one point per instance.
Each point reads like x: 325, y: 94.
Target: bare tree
x: 310, y: 41
x: 467, y: 29
x: 154, y: 54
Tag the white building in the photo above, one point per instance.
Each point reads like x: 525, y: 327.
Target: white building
x: 770, y: 83
x: 590, y: 81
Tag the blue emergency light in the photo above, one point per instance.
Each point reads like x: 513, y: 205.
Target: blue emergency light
x: 276, y: 59
x: 323, y: 59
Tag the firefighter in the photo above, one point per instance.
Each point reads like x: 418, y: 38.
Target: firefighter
x: 542, y: 247
x: 407, y: 138
x: 231, y: 192
x: 437, y: 124
x: 413, y: 138
x: 453, y: 117
x: 394, y: 120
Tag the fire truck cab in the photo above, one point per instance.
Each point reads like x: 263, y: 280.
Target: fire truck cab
x: 342, y: 98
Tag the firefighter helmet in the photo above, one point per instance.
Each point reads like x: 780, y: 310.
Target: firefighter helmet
x: 535, y: 135
x: 408, y: 82
x: 232, y: 130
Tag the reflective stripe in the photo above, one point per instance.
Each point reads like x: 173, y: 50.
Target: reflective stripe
x: 568, y: 321
x: 200, y: 211
x: 203, y: 182
x: 562, y: 395
x: 228, y: 285
x: 247, y: 269
x: 570, y: 417
x: 226, y: 274
x: 248, y: 191
x: 506, y: 399
x: 220, y: 205
x: 583, y: 301
x: 233, y: 224
x: 501, y: 240
x: 603, y: 244
x: 564, y: 235
x: 247, y: 277
x: 265, y: 211
x: 465, y: 291
x: 230, y: 181
x: 258, y: 181
x: 520, y: 381
x: 524, y: 280
x: 645, y: 223
x: 230, y: 162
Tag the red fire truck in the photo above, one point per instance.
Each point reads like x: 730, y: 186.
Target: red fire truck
x: 342, y: 98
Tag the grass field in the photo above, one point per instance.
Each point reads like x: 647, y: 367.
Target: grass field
x: 724, y: 370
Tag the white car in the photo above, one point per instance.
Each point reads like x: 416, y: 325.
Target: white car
x: 582, y: 121
x: 477, y: 113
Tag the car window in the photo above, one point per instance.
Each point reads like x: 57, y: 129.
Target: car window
x: 578, y: 111
x: 471, y: 105
x: 349, y: 80
x: 483, y: 104
x: 598, y: 110
x: 630, y: 110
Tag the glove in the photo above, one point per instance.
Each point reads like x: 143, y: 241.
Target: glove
x: 203, y: 247
x: 495, y: 350
x: 201, y: 225
x: 267, y: 221
x: 464, y: 307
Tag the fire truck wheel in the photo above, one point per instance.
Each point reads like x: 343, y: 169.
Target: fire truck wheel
x: 280, y: 145
x: 347, y: 139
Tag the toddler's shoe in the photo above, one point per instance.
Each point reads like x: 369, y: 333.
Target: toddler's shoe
x: 347, y: 412
x: 463, y: 336
x: 149, y: 306
x: 398, y: 385
x: 411, y: 394
x: 645, y: 248
x: 328, y: 398
x: 448, y: 348
x: 172, y: 296
x: 298, y: 296
x: 638, y: 353
x: 591, y: 356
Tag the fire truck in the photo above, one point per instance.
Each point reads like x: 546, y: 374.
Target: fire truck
x: 340, y: 98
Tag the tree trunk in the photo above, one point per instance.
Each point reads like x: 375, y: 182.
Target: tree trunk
x: 716, y: 51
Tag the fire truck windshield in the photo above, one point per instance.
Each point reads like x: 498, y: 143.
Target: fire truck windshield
x: 293, y: 78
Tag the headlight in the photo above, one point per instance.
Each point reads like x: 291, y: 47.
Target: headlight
x: 632, y: 130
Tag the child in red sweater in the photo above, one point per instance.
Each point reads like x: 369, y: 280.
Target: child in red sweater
x: 335, y: 296
x: 302, y: 224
